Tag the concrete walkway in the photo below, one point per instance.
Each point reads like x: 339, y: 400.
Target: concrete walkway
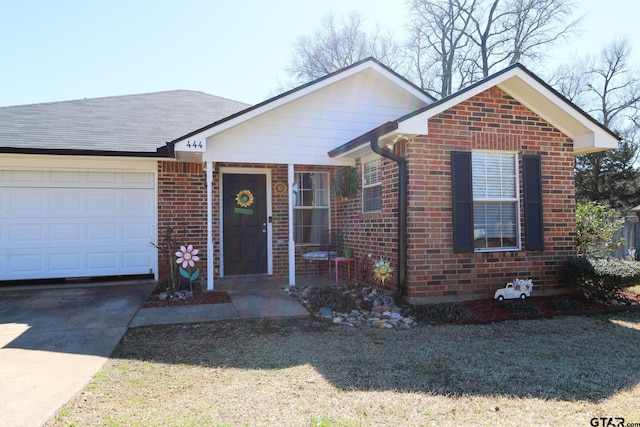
x: 252, y: 297
x: 53, y: 339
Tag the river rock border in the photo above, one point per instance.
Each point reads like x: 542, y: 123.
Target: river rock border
x: 373, y: 308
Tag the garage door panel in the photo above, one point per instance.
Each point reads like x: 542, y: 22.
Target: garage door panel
x: 137, y: 202
x: 137, y: 231
x: 76, y: 224
x: 102, y: 231
x: 70, y: 177
x: 63, y: 201
x: 27, y: 177
x: 26, y: 262
x: 139, y: 179
x: 137, y: 259
x: 65, y: 262
x: 65, y: 233
x: 25, y: 203
x: 100, y: 260
x: 102, y: 203
x: 102, y: 178
x: 25, y: 234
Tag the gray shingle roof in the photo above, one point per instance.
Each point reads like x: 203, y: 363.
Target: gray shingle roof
x: 132, y: 123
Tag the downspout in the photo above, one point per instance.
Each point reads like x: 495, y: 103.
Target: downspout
x: 401, y: 277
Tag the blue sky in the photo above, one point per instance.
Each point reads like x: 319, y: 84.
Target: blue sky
x: 60, y: 50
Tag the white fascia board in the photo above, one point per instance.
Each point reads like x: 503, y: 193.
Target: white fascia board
x: 587, y: 135
x: 592, y: 142
x: 418, y: 125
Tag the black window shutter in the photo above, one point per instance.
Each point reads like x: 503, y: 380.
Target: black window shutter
x: 533, y: 225
x: 462, y: 201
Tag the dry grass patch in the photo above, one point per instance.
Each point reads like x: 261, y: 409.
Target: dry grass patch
x: 308, y: 373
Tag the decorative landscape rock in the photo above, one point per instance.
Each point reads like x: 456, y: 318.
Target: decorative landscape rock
x: 373, y: 309
x: 326, y: 312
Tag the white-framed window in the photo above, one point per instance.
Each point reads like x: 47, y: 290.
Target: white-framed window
x: 496, y: 203
x: 371, y: 184
x: 310, y: 207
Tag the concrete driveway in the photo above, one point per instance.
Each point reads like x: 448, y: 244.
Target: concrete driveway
x: 54, y: 339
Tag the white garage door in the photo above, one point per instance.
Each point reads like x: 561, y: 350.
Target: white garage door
x: 59, y: 224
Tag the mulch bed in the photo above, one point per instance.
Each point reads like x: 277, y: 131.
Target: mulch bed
x: 480, y: 311
x: 199, y: 297
x: 487, y: 311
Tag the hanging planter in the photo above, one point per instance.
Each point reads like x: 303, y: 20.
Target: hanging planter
x: 346, y: 183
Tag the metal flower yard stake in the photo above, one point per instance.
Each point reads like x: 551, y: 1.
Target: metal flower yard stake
x: 382, y: 270
x: 187, y: 258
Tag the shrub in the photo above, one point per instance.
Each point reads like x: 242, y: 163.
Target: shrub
x: 519, y: 306
x: 439, y: 313
x: 564, y: 304
x: 597, y: 226
x: 337, y: 298
x: 600, y: 278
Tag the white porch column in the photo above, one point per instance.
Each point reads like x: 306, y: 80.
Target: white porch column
x: 292, y: 243
x: 210, y: 268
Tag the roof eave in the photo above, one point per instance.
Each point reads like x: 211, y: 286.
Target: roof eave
x: 160, y: 153
x: 357, y: 143
x: 588, y: 134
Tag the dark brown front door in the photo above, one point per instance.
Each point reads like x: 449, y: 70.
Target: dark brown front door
x: 245, y: 223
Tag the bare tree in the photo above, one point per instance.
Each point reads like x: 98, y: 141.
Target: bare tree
x: 534, y: 25
x: 339, y: 44
x: 439, y: 42
x: 608, y: 89
x: 460, y: 41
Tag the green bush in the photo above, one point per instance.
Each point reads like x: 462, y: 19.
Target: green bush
x: 600, y: 278
x: 597, y: 226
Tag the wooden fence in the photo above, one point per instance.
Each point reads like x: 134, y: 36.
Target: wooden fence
x: 631, y: 234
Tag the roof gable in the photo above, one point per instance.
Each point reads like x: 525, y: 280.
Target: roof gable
x: 532, y: 92
x: 521, y: 84
x: 314, y: 118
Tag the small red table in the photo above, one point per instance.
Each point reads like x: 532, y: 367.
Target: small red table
x: 338, y: 260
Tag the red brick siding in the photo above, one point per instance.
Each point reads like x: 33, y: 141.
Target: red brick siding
x: 182, y: 204
x: 491, y: 120
x: 280, y: 223
x: 372, y: 234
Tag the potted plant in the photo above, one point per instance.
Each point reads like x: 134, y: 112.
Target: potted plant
x: 346, y: 183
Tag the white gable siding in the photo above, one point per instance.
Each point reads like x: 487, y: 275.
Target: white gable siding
x: 304, y: 130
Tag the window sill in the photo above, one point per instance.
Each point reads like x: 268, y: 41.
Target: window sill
x: 493, y: 250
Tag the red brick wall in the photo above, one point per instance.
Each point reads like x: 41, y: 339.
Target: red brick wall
x: 182, y: 204
x: 490, y: 120
x: 371, y: 235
